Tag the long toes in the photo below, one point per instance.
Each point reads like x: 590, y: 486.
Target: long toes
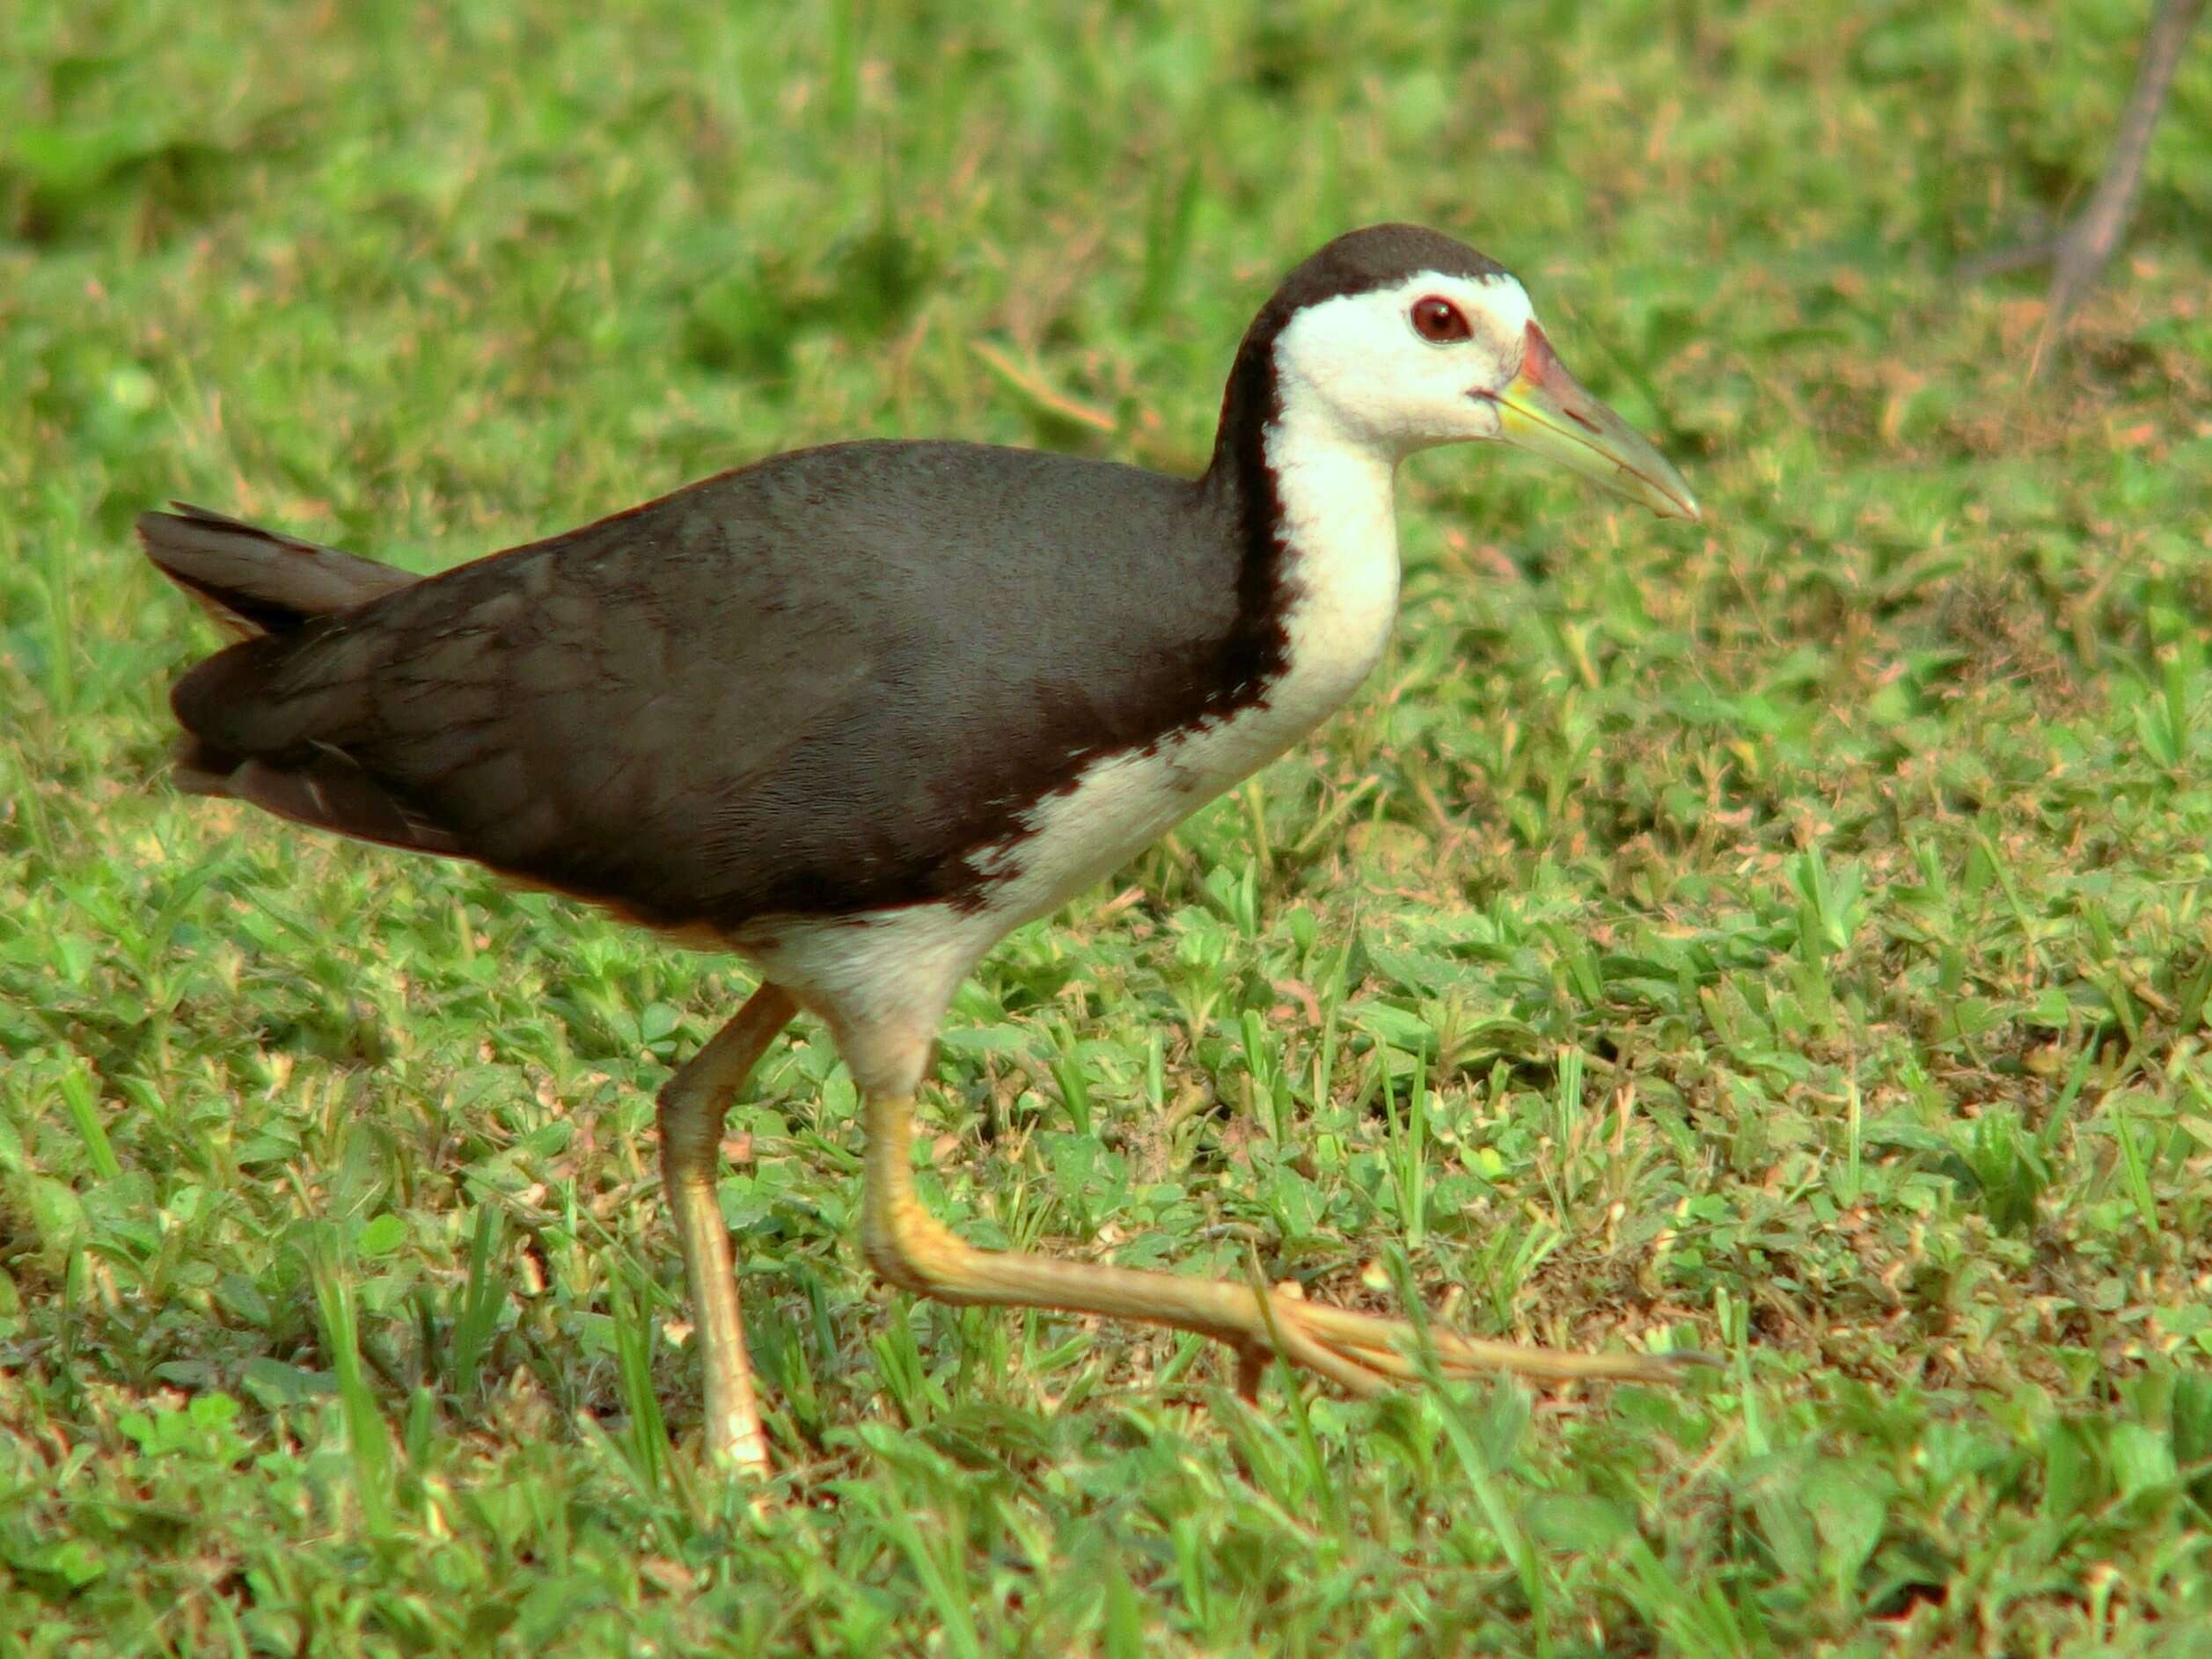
x: 1294, y: 1338
x: 1379, y: 1352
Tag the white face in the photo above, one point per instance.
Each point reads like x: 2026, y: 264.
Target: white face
x: 1401, y: 368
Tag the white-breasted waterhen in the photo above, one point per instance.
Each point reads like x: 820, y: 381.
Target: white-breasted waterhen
x: 856, y: 711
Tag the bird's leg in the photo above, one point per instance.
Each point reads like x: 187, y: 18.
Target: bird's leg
x: 1364, y: 1353
x: 2079, y: 253
x: 692, y: 1105
x: 2089, y: 243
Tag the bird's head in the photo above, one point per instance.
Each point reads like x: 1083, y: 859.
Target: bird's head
x: 1398, y: 338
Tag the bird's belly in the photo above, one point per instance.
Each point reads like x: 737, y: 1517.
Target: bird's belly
x: 1115, y: 810
x: 1126, y: 801
x: 883, y: 979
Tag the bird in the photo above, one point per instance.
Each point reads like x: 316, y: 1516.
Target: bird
x: 853, y: 713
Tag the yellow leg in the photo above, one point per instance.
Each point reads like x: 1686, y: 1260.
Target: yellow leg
x: 1362, y: 1352
x: 692, y: 1105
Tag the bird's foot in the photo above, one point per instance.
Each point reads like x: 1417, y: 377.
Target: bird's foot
x: 1367, y: 1353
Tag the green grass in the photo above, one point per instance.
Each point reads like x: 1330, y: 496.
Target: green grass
x: 1790, y: 935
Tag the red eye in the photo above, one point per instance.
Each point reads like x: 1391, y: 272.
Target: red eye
x: 1439, y: 321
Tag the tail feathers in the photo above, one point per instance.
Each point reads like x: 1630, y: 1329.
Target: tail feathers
x: 243, y: 741
x: 253, y: 582
x: 327, y: 792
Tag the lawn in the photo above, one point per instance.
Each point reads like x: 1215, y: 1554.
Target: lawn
x: 1789, y: 936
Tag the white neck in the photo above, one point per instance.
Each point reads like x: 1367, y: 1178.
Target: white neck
x: 1340, y: 528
